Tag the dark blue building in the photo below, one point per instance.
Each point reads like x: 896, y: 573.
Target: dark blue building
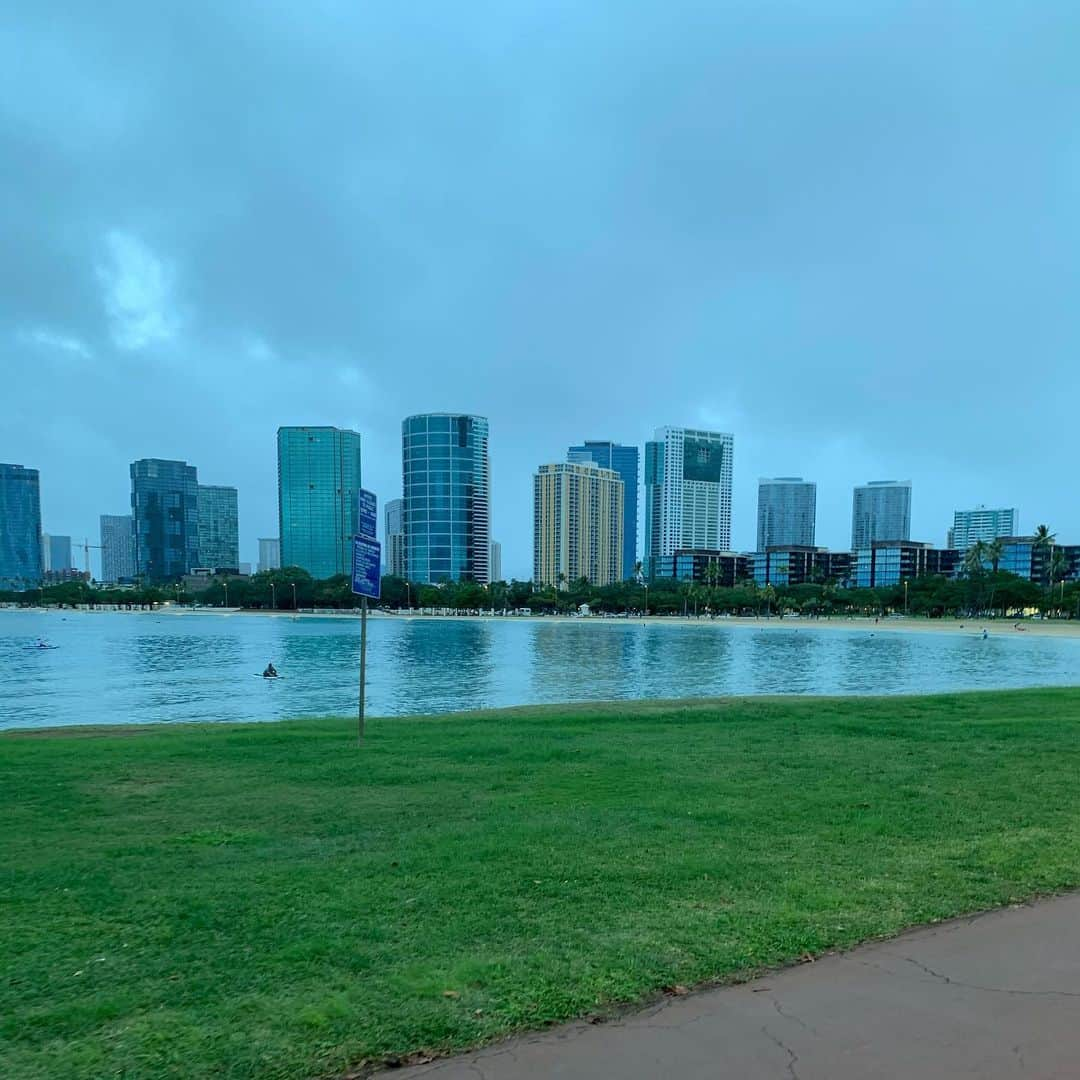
x: 165, y: 518
x: 624, y: 461
x: 20, y: 527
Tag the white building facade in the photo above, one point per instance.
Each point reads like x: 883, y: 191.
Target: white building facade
x: 688, y: 477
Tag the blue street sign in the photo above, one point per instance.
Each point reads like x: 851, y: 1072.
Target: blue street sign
x: 367, y: 511
x: 366, y: 567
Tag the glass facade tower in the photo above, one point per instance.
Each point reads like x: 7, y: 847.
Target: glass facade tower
x: 165, y: 514
x: 318, y: 488
x: 786, y: 512
x: 394, y: 544
x: 446, y: 478
x: 269, y: 553
x: 117, y: 548
x: 219, y: 529
x: 880, y: 510
x: 624, y: 461
x: 55, y: 553
x: 20, y: 527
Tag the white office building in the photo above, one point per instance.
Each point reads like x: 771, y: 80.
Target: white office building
x: 687, y: 491
x: 970, y: 526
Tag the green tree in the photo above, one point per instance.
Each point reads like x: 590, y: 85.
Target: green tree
x: 1044, y: 541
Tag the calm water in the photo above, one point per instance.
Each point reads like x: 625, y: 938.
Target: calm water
x: 133, y: 668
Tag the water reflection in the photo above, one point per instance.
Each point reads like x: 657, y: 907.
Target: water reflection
x: 138, y: 668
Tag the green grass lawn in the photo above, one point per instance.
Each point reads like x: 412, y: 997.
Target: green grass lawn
x: 270, y: 901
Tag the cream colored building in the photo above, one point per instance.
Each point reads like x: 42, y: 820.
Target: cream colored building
x: 577, y: 524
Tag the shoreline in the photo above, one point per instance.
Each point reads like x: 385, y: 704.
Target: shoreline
x: 1043, y: 628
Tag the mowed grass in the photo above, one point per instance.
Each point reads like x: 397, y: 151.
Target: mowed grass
x: 270, y: 901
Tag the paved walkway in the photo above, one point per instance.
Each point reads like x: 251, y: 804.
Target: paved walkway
x: 991, y: 997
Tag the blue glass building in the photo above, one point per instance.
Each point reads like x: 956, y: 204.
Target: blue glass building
x: 165, y: 518
x: 117, y: 548
x: 20, y: 527
x: 787, y: 511
x: 55, y: 553
x: 219, y: 529
x: 446, y: 485
x: 624, y: 461
x: 318, y: 489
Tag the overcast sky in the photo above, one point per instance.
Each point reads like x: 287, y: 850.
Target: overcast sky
x: 846, y: 232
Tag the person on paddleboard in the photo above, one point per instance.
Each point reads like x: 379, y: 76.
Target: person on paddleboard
x: 270, y: 672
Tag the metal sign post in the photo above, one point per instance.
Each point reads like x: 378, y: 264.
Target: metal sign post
x: 366, y: 582
x: 363, y: 668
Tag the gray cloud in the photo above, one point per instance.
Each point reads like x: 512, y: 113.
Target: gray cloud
x: 847, y: 232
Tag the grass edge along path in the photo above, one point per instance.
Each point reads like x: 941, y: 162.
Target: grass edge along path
x: 268, y: 901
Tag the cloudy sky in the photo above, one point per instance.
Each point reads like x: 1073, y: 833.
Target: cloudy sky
x: 847, y: 232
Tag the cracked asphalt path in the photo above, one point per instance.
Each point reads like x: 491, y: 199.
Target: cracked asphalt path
x: 993, y: 996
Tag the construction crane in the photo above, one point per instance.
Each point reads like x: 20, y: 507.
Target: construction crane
x: 87, y: 548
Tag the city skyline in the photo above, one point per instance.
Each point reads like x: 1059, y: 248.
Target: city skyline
x: 937, y: 535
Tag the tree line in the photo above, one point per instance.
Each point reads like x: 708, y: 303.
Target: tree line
x: 981, y: 590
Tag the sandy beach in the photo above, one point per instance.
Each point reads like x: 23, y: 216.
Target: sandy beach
x: 1055, y: 628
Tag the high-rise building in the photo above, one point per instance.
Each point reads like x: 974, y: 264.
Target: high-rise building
x: 687, y: 492
x: 880, y: 510
x: 981, y: 524
x: 165, y: 514
x: 496, y: 561
x: 117, y: 549
x: 394, y: 545
x: 318, y: 489
x: 219, y: 528
x: 786, y: 512
x: 624, y: 460
x: 55, y: 553
x: 446, y: 478
x: 577, y: 524
x: 20, y: 527
x: 269, y: 553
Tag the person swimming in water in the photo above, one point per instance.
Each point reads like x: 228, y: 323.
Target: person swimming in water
x: 270, y: 672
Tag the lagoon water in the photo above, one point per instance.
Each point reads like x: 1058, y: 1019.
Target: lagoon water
x: 111, y: 668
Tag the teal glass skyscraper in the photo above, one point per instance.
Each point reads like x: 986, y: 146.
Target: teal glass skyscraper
x: 20, y: 527
x: 446, y: 478
x: 165, y: 516
x: 318, y: 488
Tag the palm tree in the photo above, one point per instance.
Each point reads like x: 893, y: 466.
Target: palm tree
x: 769, y: 593
x: 712, y: 573
x: 993, y: 550
x: 1043, y: 542
x: 975, y: 558
x: 1059, y: 566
